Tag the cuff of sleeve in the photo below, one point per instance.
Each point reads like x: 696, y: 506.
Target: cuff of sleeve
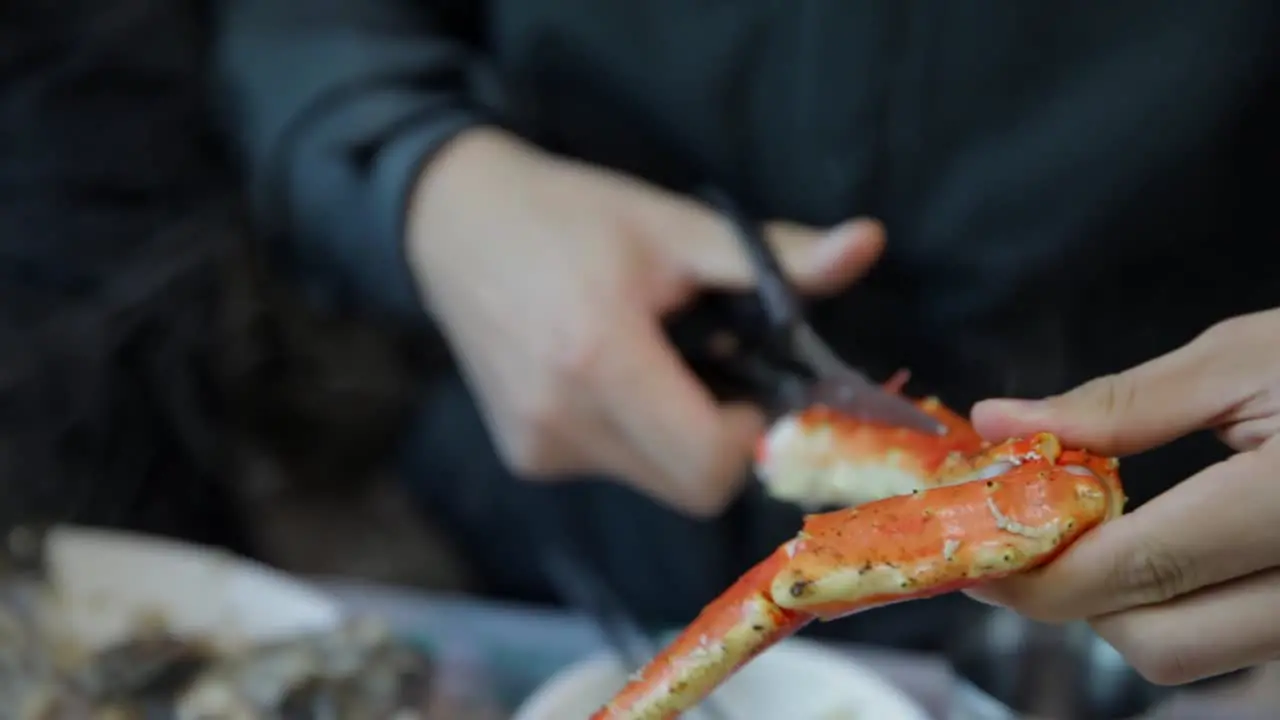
x: 392, y: 284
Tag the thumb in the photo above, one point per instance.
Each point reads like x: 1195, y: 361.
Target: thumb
x: 826, y: 262
x: 1128, y: 412
x: 817, y: 261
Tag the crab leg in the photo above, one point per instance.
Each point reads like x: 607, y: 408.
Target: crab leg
x: 1005, y: 509
x: 740, y: 624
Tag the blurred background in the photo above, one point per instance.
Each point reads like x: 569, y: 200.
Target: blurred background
x: 154, y: 374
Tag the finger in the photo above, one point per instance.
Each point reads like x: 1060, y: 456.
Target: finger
x: 1216, y: 526
x: 706, y: 247
x: 1211, y: 632
x: 827, y: 263
x: 1191, y: 388
x: 667, y: 415
x: 610, y: 448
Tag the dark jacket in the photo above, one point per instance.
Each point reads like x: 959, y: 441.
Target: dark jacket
x: 1069, y: 189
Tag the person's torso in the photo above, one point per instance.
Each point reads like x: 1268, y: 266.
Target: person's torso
x: 1068, y: 190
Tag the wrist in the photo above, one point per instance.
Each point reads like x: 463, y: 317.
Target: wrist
x: 444, y: 186
x: 453, y: 169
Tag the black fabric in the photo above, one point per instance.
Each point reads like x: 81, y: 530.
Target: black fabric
x: 1068, y: 189
x: 116, y: 217
x: 335, y: 106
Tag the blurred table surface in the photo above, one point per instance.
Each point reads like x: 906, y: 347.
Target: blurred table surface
x: 524, y: 646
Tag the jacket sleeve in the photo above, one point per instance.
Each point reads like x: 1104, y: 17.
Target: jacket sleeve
x: 334, y: 106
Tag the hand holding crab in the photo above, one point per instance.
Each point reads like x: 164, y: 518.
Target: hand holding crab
x: 1185, y: 587
x: 1188, y: 585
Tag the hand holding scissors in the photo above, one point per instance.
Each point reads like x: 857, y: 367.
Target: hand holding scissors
x: 550, y: 280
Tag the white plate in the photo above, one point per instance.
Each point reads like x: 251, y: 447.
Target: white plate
x: 796, y: 680
x: 108, y: 582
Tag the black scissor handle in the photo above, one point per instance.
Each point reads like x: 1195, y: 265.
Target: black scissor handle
x: 778, y: 296
x: 733, y: 349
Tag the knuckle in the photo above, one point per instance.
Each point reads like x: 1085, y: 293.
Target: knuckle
x: 1152, y: 573
x: 530, y: 446
x: 693, y: 493
x: 524, y: 454
x: 710, y: 494
x: 701, y: 508
x: 1112, y: 399
x: 1115, y: 394
x: 707, y: 505
x: 519, y: 456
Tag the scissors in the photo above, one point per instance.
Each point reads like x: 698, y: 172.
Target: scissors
x: 789, y: 358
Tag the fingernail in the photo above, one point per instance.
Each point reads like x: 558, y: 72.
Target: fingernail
x: 839, y: 240
x: 1013, y: 406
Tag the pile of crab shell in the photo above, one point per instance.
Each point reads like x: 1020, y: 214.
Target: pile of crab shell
x: 357, y: 670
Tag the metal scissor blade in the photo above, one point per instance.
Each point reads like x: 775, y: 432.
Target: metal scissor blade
x: 850, y: 394
x: 848, y: 391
